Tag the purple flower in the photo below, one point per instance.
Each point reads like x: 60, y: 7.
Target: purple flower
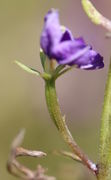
x: 62, y: 46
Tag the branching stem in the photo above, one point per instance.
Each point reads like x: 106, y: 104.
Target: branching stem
x: 59, y: 120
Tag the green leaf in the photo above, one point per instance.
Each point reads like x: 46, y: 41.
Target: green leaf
x: 28, y: 69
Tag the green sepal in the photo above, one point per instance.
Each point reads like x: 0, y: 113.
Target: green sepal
x: 43, y: 58
x: 27, y: 69
x: 45, y: 62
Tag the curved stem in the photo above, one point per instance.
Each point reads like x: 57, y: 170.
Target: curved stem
x: 59, y: 120
x: 95, y: 16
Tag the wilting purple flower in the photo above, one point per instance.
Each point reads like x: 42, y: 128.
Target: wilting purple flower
x: 62, y: 46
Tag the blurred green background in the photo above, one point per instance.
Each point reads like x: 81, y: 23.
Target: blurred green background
x: 22, y: 100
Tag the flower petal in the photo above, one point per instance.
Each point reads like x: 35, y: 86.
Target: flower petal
x: 58, y: 43
x: 67, y: 35
x: 51, y: 33
x: 67, y: 51
x: 89, y: 61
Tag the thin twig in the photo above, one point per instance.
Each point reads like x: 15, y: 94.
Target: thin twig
x: 19, y: 170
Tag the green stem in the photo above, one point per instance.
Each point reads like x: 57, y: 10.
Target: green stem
x: 95, y: 16
x: 105, y: 134
x: 59, y: 120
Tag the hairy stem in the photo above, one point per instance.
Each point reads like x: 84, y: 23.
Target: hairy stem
x: 59, y: 120
x: 105, y: 135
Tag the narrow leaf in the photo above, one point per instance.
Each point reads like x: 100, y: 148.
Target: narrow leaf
x: 28, y: 69
x: 69, y: 155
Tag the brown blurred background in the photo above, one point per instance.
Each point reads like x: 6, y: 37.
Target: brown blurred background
x: 22, y: 100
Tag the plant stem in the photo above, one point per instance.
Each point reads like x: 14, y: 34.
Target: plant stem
x: 95, y: 16
x: 59, y: 120
x: 105, y: 134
